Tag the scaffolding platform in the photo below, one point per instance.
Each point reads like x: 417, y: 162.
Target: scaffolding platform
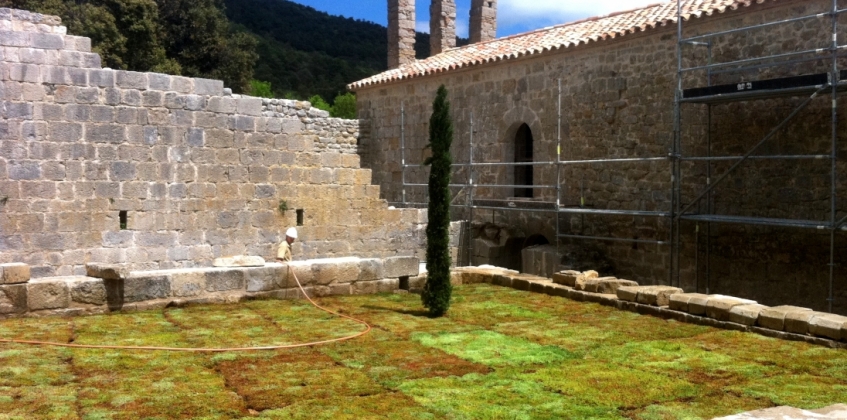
x: 761, y: 89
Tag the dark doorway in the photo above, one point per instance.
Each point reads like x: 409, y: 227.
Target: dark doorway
x: 523, y: 153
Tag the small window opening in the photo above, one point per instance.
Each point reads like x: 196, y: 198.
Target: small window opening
x: 122, y: 217
x: 491, y: 4
x: 523, y: 153
x: 300, y: 213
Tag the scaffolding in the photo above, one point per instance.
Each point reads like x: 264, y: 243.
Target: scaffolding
x: 811, y: 87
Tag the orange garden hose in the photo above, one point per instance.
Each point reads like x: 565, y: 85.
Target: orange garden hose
x: 210, y: 350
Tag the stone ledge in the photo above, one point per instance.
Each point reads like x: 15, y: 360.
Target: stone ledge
x: 112, y: 288
x: 717, y: 311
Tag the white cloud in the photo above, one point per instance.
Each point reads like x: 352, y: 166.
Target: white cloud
x: 538, y: 13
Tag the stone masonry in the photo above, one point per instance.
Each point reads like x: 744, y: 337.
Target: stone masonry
x: 617, y: 102
x: 401, y: 32
x: 442, y: 25
x: 483, y: 20
x: 109, y: 288
x: 153, y: 171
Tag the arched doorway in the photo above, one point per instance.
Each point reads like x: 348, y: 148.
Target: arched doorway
x: 523, y: 153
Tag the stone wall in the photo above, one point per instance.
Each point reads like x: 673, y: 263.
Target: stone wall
x: 483, y: 24
x: 617, y: 102
x: 442, y: 26
x: 107, y: 288
x: 162, y: 172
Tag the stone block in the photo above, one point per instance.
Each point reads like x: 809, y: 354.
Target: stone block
x: 13, y: 299
x: 774, y: 318
x: 606, y: 285
x: 107, y: 271
x: 396, y: 267
x: 338, y: 270
x: 387, y: 285
x: 14, y: 273
x: 223, y: 280
x: 239, y: 261
x: 365, y: 287
x: 798, y: 322
x: 208, y: 87
x: 697, y: 303
x: 628, y: 293
x: 746, y: 314
x: 656, y: 295
x: 270, y: 277
x: 502, y: 280
x: 342, y: 289
x: 87, y: 290
x: 141, y: 286
x: 567, y: 278
x: 679, y: 301
x: 573, y: 278
x: 370, y: 269
x: 302, y: 271
x: 188, y: 283
x: 828, y: 325
x: 48, y: 293
x: 719, y: 307
x: 417, y: 283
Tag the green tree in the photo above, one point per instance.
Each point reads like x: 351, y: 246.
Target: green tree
x: 199, y: 36
x: 181, y: 37
x: 344, y: 106
x: 437, y: 291
x: 319, y: 103
x: 261, y: 89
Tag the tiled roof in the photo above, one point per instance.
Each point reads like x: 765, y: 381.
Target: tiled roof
x: 554, y: 38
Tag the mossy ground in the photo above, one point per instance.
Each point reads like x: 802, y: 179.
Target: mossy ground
x: 498, y: 353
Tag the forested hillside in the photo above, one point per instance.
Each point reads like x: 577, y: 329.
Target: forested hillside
x: 301, y: 51
x: 185, y: 37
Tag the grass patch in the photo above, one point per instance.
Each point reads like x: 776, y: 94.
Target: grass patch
x: 499, y: 353
x: 494, y: 349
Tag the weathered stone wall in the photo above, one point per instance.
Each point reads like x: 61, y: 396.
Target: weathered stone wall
x: 159, y: 172
x: 107, y: 288
x: 401, y: 32
x: 617, y: 102
x: 442, y: 26
x: 483, y: 24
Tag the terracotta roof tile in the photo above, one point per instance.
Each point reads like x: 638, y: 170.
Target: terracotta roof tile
x: 557, y: 37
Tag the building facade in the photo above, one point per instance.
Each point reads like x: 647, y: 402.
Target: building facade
x: 603, y: 89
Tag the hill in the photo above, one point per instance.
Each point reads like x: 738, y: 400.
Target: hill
x: 303, y: 51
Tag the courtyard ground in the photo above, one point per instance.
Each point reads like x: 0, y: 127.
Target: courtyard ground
x: 498, y: 354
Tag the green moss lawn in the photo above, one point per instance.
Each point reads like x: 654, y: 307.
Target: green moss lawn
x: 498, y: 354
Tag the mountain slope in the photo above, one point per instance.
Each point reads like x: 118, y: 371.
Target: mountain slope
x: 303, y: 51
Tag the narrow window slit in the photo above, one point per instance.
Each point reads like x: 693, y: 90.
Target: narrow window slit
x: 122, y: 216
x: 300, y: 217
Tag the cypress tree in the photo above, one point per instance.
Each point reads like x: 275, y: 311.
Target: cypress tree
x: 436, y: 293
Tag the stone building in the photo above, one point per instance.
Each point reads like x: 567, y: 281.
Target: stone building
x: 593, y: 93
x: 153, y: 171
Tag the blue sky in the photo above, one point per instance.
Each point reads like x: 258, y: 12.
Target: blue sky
x: 514, y: 16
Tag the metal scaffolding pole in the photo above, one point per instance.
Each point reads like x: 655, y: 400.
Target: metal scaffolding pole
x: 470, y: 194
x: 403, y: 148
x: 558, y: 166
x: 834, y: 161
x: 673, y: 268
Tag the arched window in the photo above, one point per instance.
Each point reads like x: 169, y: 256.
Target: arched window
x: 523, y: 153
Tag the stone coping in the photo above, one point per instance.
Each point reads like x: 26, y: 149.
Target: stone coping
x: 726, y: 312
x: 109, y: 288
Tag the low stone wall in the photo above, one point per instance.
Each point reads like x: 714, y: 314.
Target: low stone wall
x: 785, y: 322
x: 108, y: 288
